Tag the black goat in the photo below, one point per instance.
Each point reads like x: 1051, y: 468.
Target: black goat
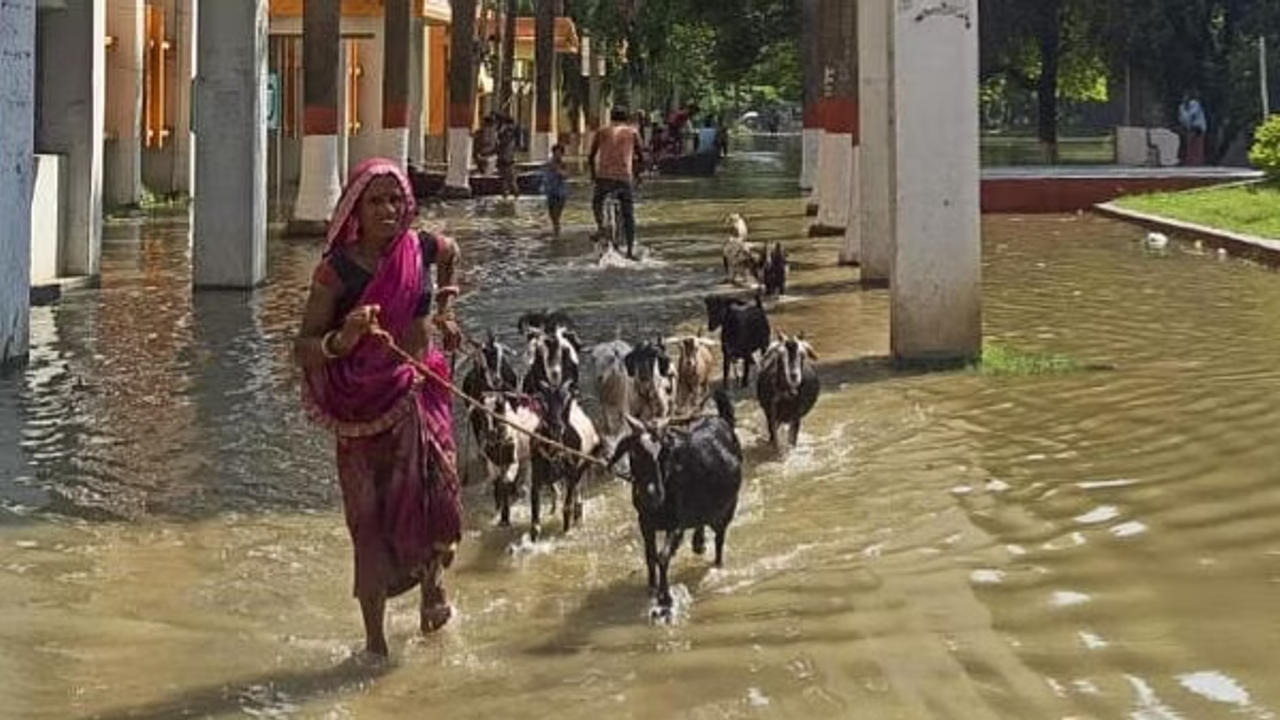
x: 683, y: 479
x: 560, y: 418
x: 774, y: 273
x: 653, y: 381
x: 744, y: 330
x: 788, y: 385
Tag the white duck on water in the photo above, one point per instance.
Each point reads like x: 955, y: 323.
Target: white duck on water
x: 1156, y: 241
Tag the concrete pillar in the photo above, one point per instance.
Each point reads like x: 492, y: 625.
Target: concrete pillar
x: 839, y: 111
x: 122, y: 158
x: 318, y: 180
x: 17, y: 129
x: 368, y: 143
x: 396, y: 34
x: 183, y: 139
x: 72, y: 79
x: 230, y: 209
x: 811, y: 135
x: 544, y: 81
x: 875, y: 173
x: 462, y: 100
x: 417, y: 91
x: 936, y: 281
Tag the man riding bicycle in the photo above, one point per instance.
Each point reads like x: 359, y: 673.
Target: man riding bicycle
x: 613, y: 152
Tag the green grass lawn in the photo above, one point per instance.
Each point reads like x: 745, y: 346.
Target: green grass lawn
x: 1249, y: 209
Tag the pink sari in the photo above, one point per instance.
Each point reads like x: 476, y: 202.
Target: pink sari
x: 396, y: 454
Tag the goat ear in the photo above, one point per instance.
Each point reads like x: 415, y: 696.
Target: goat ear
x: 630, y: 362
x: 808, y: 350
x: 636, y: 426
x: 624, y: 446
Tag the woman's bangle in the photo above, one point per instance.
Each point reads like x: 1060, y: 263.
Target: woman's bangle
x: 324, y: 345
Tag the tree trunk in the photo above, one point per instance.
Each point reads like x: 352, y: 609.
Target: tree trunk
x: 462, y: 96
x: 544, y: 58
x: 812, y: 135
x: 319, y: 185
x: 1050, y: 41
x: 398, y: 22
x: 506, y: 75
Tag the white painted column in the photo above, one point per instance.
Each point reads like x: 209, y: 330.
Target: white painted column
x: 17, y: 118
x: 369, y: 142
x: 811, y: 142
x: 875, y: 174
x: 183, y: 140
x: 937, y: 271
x: 122, y: 161
x: 835, y: 174
x: 417, y: 91
x: 851, y: 248
x: 459, y: 175
x: 72, y: 81
x: 230, y: 210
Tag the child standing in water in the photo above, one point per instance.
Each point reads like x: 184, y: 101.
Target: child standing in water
x: 555, y: 185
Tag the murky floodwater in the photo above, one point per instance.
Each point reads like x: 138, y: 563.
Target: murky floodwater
x: 1098, y: 544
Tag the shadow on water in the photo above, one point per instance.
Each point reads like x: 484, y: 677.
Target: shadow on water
x: 268, y: 695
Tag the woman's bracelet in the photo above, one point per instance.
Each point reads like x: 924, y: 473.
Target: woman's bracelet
x: 448, y: 290
x: 324, y: 345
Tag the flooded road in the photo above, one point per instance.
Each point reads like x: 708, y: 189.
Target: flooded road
x: 1102, y: 543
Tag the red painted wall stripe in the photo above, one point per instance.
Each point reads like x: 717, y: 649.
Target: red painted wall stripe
x: 460, y: 115
x: 812, y: 116
x: 395, y: 115
x: 317, y: 120
x: 840, y: 115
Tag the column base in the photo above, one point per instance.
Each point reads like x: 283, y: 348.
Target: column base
x: 306, y: 228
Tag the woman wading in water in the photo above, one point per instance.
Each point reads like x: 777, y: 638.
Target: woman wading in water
x: 396, y: 458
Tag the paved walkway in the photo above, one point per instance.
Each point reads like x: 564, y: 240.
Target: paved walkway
x: 1038, y: 172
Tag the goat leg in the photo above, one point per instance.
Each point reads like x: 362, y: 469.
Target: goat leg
x: 650, y: 555
x: 535, y: 507
x: 570, y: 496
x: 699, y: 540
x: 721, y: 530
x: 674, y: 538
x: 746, y: 371
x: 795, y: 432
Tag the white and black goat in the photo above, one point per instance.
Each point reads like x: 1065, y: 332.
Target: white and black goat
x: 504, y: 449
x: 694, y: 365
x: 683, y: 478
x: 744, y: 331
x: 653, y: 381
x: 561, y: 419
x: 788, y: 385
x: 492, y: 370
x: 553, y: 358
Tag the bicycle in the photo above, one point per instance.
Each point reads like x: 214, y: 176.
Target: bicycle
x: 610, y: 225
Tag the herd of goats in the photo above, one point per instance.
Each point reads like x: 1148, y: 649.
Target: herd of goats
x: 684, y: 465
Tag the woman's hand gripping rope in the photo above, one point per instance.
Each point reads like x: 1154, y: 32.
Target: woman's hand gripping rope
x: 386, y: 338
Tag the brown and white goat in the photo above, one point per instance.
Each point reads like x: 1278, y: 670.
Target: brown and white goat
x: 694, y: 365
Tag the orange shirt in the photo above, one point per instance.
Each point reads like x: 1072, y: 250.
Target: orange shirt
x: 615, y: 151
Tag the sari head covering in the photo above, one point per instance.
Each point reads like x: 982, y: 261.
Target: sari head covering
x: 371, y: 391
x: 363, y: 393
